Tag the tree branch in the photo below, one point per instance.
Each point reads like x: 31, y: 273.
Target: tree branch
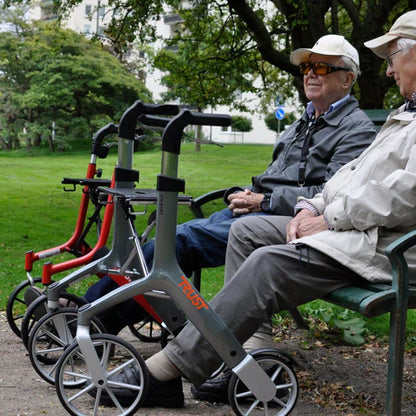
x: 260, y: 33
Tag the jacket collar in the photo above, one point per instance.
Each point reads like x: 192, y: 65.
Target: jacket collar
x: 402, y: 115
x: 338, y: 113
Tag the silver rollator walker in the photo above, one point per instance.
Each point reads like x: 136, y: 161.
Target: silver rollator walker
x: 49, y: 337
x: 263, y: 382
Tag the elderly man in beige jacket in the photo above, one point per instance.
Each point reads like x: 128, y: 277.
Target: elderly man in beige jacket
x: 336, y: 238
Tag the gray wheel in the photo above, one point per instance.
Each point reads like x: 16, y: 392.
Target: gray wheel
x: 38, y: 308
x: 279, y: 367
x: 50, y: 337
x: 119, y: 390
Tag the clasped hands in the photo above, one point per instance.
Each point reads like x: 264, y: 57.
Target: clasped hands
x: 244, y: 202
x: 305, y: 223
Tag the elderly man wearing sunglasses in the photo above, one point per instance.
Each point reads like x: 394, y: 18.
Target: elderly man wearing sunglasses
x: 331, y: 132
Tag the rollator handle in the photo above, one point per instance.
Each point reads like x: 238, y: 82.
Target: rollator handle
x: 97, y: 147
x: 129, y: 119
x: 110, y: 128
x: 154, y: 121
x: 171, y: 137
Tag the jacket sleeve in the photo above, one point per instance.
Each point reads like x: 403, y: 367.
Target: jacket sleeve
x: 352, y: 142
x: 389, y: 203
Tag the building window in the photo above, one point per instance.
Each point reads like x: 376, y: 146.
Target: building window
x: 87, y: 29
x: 88, y: 10
x: 101, y: 11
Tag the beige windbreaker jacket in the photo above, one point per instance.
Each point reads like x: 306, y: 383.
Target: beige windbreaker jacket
x: 371, y: 201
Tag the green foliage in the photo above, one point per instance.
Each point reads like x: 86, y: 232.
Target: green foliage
x: 204, y: 61
x: 272, y: 122
x: 240, y: 123
x: 56, y: 77
x: 352, y: 325
x: 252, y: 39
x: 226, y: 47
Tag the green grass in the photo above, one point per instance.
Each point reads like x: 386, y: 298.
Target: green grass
x: 35, y: 212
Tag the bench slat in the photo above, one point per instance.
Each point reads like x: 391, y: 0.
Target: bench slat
x: 368, y: 302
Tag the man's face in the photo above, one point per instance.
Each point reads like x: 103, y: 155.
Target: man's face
x: 403, y: 69
x: 323, y: 90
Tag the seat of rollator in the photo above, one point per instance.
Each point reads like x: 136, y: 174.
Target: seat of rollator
x: 142, y: 195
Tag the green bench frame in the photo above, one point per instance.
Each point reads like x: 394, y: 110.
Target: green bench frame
x: 372, y: 300
x: 369, y: 300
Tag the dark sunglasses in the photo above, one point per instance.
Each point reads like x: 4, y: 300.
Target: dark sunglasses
x: 319, y: 68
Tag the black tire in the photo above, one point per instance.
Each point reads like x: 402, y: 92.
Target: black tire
x: 16, y: 306
x: 78, y: 393
x: 147, y: 330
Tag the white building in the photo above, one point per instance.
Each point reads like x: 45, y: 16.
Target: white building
x: 90, y: 17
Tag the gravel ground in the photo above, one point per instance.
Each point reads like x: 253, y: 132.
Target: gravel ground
x: 334, y: 380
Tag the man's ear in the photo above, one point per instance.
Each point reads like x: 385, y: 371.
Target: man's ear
x: 349, y: 79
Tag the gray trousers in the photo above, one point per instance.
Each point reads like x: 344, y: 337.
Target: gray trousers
x: 263, y: 276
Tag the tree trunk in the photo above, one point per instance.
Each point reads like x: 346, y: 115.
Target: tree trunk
x: 198, y: 137
x: 51, y: 143
x: 3, y: 144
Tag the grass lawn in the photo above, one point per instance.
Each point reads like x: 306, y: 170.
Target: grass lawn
x: 35, y: 212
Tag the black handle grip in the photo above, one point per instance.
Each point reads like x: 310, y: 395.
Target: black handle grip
x: 110, y: 128
x: 97, y: 147
x: 171, y: 138
x: 154, y: 121
x: 128, y: 121
x: 203, y: 119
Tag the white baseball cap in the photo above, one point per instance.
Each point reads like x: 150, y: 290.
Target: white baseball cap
x: 331, y: 45
x: 403, y: 27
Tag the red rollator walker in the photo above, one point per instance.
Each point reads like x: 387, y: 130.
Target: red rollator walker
x: 77, y: 244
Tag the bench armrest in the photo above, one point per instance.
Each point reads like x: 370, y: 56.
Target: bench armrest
x: 198, y: 202
x: 395, y: 253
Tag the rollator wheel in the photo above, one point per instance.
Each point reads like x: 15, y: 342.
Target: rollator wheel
x: 51, y: 336
x: 16, y: 306
x: 279, y: 367
x: 123, y: 371
x: 147, y: 330
x: 218, y: 371
x: 38, y: 308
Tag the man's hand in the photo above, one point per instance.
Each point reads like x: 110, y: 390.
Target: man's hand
x: 245, y: 202
x: 304, y: 224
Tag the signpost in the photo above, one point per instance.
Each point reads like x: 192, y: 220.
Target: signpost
x: 279, y: 112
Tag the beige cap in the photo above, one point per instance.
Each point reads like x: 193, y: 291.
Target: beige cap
x: 331, y: 45
x: 403, y: 27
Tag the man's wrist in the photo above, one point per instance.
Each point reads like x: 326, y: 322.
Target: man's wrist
x: 330, y: 227
x: 305, y: 205
x: 266, y: 203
